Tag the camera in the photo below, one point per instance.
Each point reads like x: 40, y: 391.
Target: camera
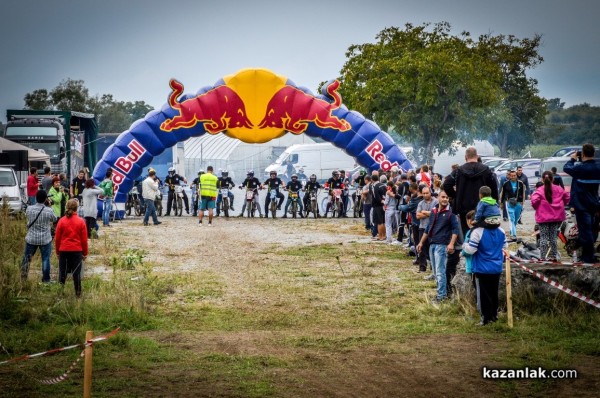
x: 578, y: 154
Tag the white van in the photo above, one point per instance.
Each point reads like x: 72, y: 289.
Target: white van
x: 318, y: 159
x: 10, y: 190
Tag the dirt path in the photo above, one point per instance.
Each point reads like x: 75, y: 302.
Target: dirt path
x: 233, y: 251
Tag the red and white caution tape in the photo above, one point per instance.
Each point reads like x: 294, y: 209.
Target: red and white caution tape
x: 54, y: 351
x: 63, y: 377
x: 558, y: 285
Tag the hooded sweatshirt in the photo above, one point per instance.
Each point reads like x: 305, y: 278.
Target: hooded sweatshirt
x: 464, y: 183
x: 487, y: 208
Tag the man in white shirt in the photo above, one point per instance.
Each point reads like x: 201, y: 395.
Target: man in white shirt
x: 149, y: 191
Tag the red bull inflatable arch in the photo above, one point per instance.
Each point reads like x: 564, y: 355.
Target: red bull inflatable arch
x: 255, y: 106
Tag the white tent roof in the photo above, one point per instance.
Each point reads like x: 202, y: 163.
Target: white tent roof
x: 33, y: 155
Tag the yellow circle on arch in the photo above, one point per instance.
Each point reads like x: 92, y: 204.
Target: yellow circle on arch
x: 255, y: 87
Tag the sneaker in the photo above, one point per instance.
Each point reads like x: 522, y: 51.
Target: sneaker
x: 279, y: 207
x: 210, y: 224
x: 284, y: 216
x: 232, y: 209
x: 157, y: 223
x: 145, y: 224
x: 396, y: 243
x: 200, y: 222
x: 430, y: 277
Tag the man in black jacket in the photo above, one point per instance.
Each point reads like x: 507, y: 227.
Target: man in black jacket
x: 462, y: 186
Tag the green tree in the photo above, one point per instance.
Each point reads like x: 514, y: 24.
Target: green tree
x: 70, y: 95
x: 575, y: 125
x: 520, y: 95
x: 422, y: 81
x: 38, y: 99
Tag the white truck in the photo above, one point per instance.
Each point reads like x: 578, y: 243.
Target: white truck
x: 318, y: 159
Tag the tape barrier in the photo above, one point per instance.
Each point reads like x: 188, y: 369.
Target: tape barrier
x: 558, y: 285
x: 552, y: 263
x: 54, y: 351
x: 63, y: 377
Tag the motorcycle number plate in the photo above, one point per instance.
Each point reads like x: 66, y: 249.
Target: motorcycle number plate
x: 249, y: 195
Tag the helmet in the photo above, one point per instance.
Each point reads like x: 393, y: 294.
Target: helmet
x: 201, y: 171
x: 250, y: 173
x: 294, y: 175
x: 224, y: 173
x: 272, y: 172
x: 171, y: 169
x: 335, y: 173
x: 313, y: 177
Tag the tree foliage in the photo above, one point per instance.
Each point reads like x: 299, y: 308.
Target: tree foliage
x: 113, y: 116
x: 422, y: 81
x: 575, y: 125
x: 521, y: 102
x: 433, y: 87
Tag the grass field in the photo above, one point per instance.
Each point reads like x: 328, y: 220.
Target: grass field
x: 258, y: 318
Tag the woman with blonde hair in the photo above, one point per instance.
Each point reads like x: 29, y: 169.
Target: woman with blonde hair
x: 71, y: 245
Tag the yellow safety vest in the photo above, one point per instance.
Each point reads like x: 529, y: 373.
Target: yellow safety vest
x: 208, y: 185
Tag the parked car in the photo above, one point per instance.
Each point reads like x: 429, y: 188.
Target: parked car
x: 493, y: 161
x: 559, y: 163
x: 566, y: 151
x: 10, y: 192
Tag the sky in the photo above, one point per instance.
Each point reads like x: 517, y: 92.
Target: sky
x: 131, y: 48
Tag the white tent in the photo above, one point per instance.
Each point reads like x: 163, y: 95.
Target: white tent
x: 33, y: 155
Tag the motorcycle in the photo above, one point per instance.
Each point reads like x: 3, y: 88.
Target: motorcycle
x: 295, y: 198
x: 335, y: 204
x: 312, y: 205
x: 273, y: 204
x: 133, y: 202
x: 358, y: 211
x: 224, y: 192
x: 178, y: 201
x: 250, y: 202
x: 158, y: 203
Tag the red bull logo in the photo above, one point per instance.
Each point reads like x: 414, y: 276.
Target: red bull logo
x: 292, y: 109
x: 219, y: 109
x: 254, y: 106
x: 124, y: 164
x: 375, y: 152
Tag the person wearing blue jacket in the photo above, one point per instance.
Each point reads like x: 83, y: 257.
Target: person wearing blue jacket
x: 585, y: 171
x: 485, y: 247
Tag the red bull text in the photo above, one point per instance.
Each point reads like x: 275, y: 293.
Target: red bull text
x: 124, y: 164
x: 374, y: 151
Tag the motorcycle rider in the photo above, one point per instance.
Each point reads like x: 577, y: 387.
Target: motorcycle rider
x: 293, y: 186
x: 311, y: 185
x: 273, y: 182
x: 345, y: 192
x: 225, y: 182
x: 172, y: 180
x: 333, y: 183
x: 196, y: 192
x: 360, y: 181
x: 252, y: 183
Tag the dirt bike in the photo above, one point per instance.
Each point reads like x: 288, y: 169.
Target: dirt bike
x: 133, y: 202
x: 250, y: 202
x: 273, y: 204
x: 295, y: 198
x: 335, y: 203
x: 178, y: 201
x: 224, y: 192
x: 358, y: 211
x: 312, y: 205
x: 158, y: 203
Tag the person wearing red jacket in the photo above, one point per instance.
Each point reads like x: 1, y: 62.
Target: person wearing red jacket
x: 71, y: 245
x: 32, y: 186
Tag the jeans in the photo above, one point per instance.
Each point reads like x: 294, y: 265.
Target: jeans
x: 106, y: 211
x: 390, y: 216
x: 437, y: 255
x: 367, y: 214
x: 45, y: 251
x: 220, y: 199
x: 514, y: 215
x: 289, y: 202
x: 587, y: 236
x: 150, y: 211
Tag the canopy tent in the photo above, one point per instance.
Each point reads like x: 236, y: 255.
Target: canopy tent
x: 33, y: 155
